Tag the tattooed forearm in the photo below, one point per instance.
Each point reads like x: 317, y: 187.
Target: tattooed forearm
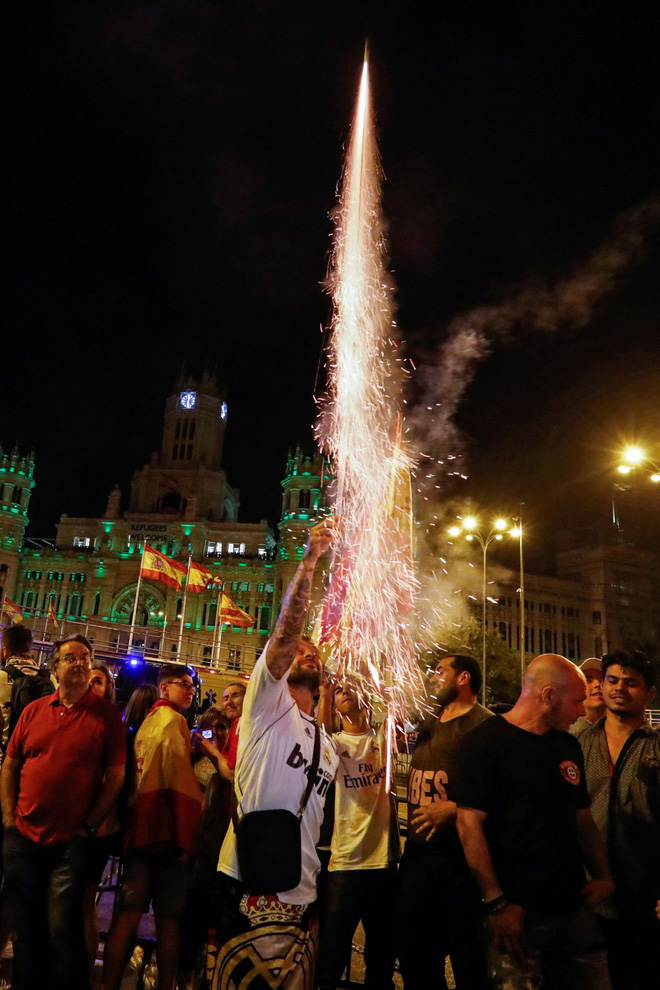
x: 284, y: 642
x: 285, y: 638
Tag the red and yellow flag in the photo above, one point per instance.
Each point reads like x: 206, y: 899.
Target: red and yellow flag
x: 157, y: 567
x: 52, y: 614
x: 200, y: 578
x: 232, y: 615
x: 11, y: 610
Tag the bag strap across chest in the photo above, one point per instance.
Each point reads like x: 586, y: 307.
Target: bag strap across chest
x: 311, y: 778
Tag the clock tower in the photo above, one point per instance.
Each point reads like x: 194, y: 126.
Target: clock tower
x: 186, y: 475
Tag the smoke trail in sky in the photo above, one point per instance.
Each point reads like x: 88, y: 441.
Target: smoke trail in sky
x: 567, y: 306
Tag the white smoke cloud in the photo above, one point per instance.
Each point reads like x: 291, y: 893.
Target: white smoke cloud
x: 566, y: 307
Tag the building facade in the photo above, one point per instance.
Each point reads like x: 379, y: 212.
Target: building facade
x: 180, y: 503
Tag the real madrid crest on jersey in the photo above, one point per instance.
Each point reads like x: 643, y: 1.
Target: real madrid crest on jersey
x: 570, y: 772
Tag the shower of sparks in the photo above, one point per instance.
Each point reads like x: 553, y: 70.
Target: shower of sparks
x: 373, y: 585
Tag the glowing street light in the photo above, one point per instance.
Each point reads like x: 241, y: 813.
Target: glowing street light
x: 633, y: 455
x: 469, y: 528
x: 634, y: 459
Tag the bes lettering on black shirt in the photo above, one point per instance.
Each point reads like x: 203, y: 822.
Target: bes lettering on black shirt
x: 432, y: 772
x: 531, y: 788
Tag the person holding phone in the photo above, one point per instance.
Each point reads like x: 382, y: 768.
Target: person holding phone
x: 209, y: 739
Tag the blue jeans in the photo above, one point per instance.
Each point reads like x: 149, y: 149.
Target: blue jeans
x: 44, y: 889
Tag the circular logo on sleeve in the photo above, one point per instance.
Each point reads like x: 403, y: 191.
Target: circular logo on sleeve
x: 570, y: 772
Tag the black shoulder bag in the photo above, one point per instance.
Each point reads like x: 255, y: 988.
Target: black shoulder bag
x: 268, y: 843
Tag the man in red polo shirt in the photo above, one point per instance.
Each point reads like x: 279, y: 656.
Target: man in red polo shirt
x: 63, y: 772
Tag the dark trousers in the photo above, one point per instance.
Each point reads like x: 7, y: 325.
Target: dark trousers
x: 632, y: 952
x: 438, y: 915
x: 45, y: 889
x: 353, y: 896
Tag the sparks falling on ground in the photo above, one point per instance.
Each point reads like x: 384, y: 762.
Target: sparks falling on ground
x: 373, y: 584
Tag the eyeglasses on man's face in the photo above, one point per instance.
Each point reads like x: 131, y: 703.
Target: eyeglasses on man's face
x: 186, y: 685
x: 81, y: 658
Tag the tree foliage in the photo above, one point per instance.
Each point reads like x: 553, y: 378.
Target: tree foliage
x: 502, y: 663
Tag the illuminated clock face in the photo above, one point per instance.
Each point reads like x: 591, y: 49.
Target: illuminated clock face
x: 188, y: 400
x: 223, y: 411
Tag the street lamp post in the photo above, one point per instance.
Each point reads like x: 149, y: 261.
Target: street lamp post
x: 469, y: 529
x: 517, y: 532
x: 633, y: 459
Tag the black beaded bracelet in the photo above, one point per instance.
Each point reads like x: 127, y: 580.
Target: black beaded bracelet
x: 496, y: 905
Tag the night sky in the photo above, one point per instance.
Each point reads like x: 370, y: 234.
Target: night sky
x: 167, y: 182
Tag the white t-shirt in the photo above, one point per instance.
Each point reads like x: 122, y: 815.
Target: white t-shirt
x: 361, y: 836
x: 275, y: 744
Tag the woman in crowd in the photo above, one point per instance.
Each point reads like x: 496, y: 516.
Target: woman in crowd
x: 107, y: 840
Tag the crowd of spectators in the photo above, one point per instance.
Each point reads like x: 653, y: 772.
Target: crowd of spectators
x: 531, y: 856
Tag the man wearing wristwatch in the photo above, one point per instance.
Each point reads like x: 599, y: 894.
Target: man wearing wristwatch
x: 527, y: 832
x: 63, y: 772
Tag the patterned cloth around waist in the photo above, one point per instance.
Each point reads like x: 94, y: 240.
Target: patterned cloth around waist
x: 268, y: 909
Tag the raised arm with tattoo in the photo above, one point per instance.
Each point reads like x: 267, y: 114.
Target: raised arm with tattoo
x: 286, y: 637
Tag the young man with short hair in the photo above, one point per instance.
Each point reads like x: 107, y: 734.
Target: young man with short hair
x: 361, y: 882
x: 161, y: 834
x: 433, y: 868
x: 622, y: 761
x: 594, y: 706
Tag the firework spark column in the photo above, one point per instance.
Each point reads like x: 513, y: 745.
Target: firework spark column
x: 373, y: 584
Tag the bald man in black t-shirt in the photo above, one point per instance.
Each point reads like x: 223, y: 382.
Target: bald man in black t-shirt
x: 438, y: 911
x: 527, y: 831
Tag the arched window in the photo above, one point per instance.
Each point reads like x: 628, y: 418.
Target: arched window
x: 97, y: 603
x: 264, y: 618
x: 74, y: 604
x: 210, y: 611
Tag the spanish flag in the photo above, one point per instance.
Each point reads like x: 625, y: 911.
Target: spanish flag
x: 52, y: 614
x: 157, y: 567
x: 200, y: 578
x: 166, y: 802
x: 232, y: 615
x: 11, y: 610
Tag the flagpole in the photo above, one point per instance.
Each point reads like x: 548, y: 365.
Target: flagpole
x: 215, y: 652
x: 183, y: 609
x: 137, y: 595
x: 219, y: 638
x: 162, y: 635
